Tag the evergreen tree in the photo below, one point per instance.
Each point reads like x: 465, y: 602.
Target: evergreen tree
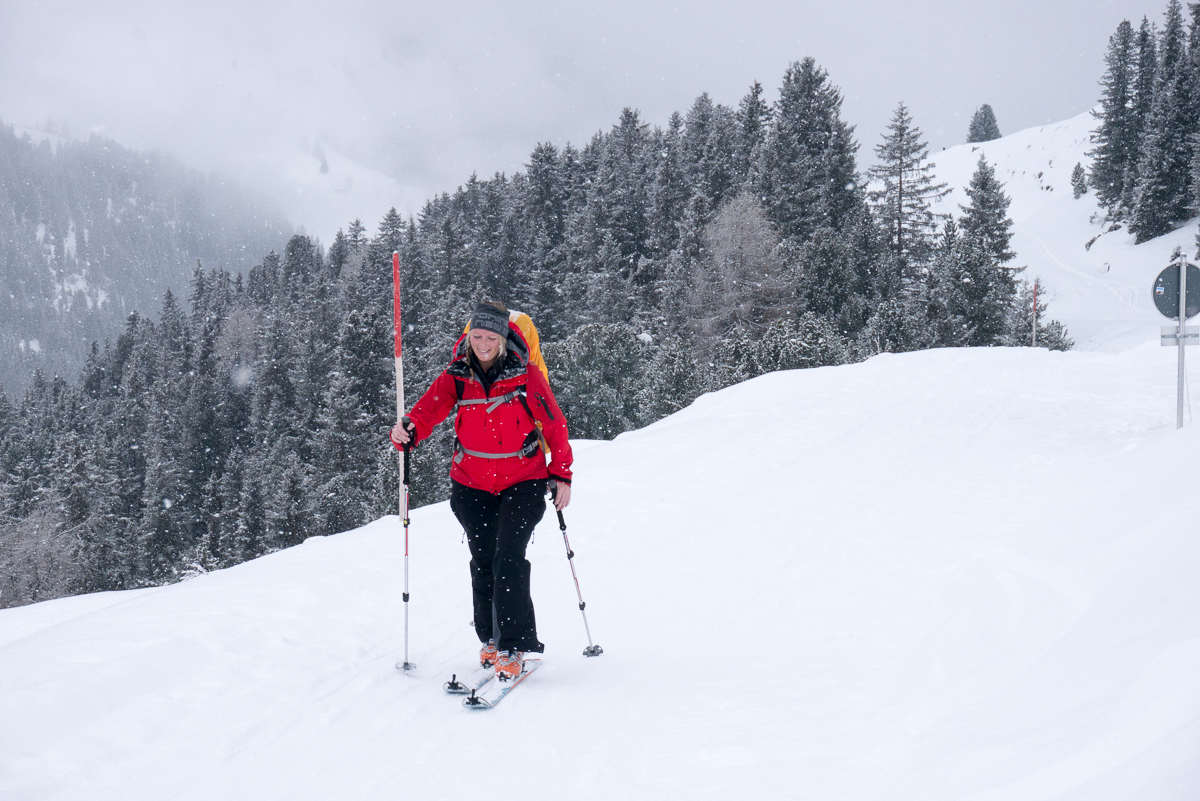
x: 669, y: 193
x: 672, y: 381
x: 1032, y: 301
x: 983, y: 126
x: 1115, y: 138
x: 1078, y: 181
x: 544, y: 214
x: 1163, y: 193
x: 709, y: 140
x: 753, y: 124
x: 734, y: 360
x: 1144, y: 82
x: 982, y: 251
x: 894, y: 327
x: 940, y: 295
x: 809, y: 178
x: 810, y: 341
x: 828, y: 273
x: 592, y: 370
x: 1173, y: 45
x: 986, y: 219
x: 905, y: 190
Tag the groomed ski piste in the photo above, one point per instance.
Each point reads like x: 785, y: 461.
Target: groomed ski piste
x: 954, y: 574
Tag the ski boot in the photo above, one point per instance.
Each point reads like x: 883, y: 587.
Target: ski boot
x: 487, y: 654
x: 509, y: 665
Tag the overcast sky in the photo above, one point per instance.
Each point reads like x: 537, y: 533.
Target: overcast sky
x: 430, y: 92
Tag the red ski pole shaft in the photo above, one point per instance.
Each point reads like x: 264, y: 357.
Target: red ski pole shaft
x: 404, y: 460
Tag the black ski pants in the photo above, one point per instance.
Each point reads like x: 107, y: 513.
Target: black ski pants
x: 498, y: 530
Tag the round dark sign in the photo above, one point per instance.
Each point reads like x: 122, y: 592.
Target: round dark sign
x: 1166, y: 292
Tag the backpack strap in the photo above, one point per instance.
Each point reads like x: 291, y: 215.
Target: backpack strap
x: 496, y: 401
x: 528, y: 449
x: 533, y: 441
x: 537, y: 425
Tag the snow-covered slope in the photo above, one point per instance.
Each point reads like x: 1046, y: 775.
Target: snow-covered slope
x: 323, y: 201
x: 943, y: 575
x: 1102, y: 292
x: 953, y: 574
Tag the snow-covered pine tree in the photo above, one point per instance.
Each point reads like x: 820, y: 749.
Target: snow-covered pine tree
x: 709, y: 151
x: 1163, y: 193
x: 809, y: 178
x: 1173, y: 45
x: 894, y: 327
x: 1146, y: 75
x: 669, y: 192
x: 1193, y: 97
x: 621, y: 187
x: 1115, y: 137
x: 940, y: 296
x: 734, y: 360
x: 671, y: 381
x: 985, y: 219
x: 1051, y: 335
x: 1078, y: 181
x: 983, y: 252
x: 904, y: 190
x: 983, y: 126
x: 753, y: 123
x: 543, y: 210
x: 597, y: 371
x: 827, y: 276
x: 809, y: 341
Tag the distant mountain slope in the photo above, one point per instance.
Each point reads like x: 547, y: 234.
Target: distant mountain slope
x: 90, y: 231
x: 1102, y: 292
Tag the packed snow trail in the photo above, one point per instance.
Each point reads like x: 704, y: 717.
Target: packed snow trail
x: 953, y: 574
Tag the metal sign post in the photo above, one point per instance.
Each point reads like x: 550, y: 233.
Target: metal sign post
x: 1180, y: 346
x: 1177, y: 297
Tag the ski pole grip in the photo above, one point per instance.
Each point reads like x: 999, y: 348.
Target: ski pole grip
x: 562, y: 524
x: 407, y: 461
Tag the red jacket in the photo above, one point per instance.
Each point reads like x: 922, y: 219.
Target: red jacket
x: 498, y: 422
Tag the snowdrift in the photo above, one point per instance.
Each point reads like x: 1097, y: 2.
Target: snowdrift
x: 956, y: 574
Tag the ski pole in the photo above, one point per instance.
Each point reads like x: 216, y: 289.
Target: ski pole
x: 404, y: 460
x: 591, y: 650
x: 404, y: 471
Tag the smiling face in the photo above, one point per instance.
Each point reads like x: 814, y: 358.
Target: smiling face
x: 485, y: 345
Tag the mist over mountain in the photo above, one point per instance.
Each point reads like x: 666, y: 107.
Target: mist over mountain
x: 91, y: 231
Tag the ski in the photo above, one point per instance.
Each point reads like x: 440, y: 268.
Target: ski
x: 470, y: 682
x: 492, y: 692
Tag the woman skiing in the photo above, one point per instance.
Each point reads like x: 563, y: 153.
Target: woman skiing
x: 498, y: 474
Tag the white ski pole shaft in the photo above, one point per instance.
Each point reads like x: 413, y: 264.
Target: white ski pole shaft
x: 591, y: 650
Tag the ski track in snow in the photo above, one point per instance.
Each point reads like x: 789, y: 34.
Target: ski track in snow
x: 955, y: 574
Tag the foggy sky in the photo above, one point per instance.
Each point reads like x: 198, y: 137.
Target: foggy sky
x: 429, y: 94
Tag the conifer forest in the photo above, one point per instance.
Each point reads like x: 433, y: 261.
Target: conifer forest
x: 249, y: 410
x: 1146, y: 159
